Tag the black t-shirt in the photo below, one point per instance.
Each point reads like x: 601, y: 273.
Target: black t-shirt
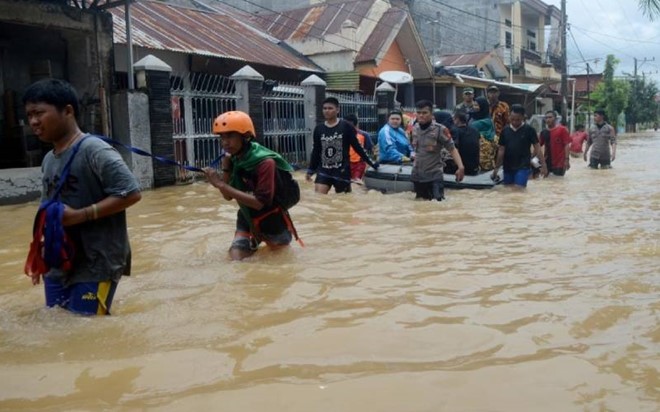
x: 330, y: 152
x: 517, y: 144
x: 466, y: 140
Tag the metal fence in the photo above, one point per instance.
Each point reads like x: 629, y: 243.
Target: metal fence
x: 361, y: 105
x: 197, y: 99
x: 284, y: 122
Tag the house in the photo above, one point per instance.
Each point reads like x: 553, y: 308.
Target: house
x: 514, y: 29
x: 354, y: 42
x: 50, y: 39
x: 39, y: 39
x: 203, y: 39
x: 479, y: 64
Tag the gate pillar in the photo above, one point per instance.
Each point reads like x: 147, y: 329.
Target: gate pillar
x: 249, y: 88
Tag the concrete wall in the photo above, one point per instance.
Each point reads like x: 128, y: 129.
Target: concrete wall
x: 130, y: 125
x: 75, y: 44
x: 20, y: 185
x: 177, y: 61
x: 455, y: 31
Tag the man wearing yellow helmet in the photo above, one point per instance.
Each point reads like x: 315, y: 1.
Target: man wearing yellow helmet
x: 252, y: 175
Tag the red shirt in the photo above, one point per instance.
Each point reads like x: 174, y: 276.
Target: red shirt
x: 559, y: 138
x: 578, y: 139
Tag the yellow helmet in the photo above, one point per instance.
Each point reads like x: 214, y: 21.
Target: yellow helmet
x: 234, y: 121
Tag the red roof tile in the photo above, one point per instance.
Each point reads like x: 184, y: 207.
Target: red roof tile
x: 160, y: 26
x: 389, y: 23
x: 315, y: 21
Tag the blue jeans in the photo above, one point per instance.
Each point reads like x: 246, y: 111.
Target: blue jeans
x: 517, y: 177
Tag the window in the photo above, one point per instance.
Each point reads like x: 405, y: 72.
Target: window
x: 531, y: 34
x: 532, y: 46
x: 508, y: 40
x: 507, y: 22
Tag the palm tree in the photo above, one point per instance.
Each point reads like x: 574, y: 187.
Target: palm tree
x: 650, y: 8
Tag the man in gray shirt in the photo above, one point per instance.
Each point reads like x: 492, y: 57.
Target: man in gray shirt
x: 88, y: 180
x: 428, y: 140
x: 601, y: 141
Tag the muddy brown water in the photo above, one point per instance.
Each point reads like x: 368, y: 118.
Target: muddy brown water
x: 546, y: 300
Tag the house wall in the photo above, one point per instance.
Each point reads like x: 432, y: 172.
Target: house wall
x: 45, y: 39
x: 465, y: 26
x: 393, y: 60
x: 177, y: 61
x: 340, y: 61
x: 454, y: 30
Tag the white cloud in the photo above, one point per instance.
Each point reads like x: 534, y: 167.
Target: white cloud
x: 602, y: 27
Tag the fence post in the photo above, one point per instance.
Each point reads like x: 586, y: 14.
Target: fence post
x: 314, y: 91
x: 130, y: 125
x: 154, y: 75
x: 249, y: 88
x: 450, y: 97
x: 384, y: 102
x: 188, y: 119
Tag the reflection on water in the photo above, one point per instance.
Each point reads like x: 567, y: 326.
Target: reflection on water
x: 491, y: 301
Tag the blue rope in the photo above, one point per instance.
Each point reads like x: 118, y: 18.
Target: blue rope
x: 214, y: 163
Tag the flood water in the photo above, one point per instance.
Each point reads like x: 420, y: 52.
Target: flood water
x: 545, y: 300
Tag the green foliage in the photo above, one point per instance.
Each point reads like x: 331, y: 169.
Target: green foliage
x: 650, y: 8
x: 611, y: 94
x: 644, y: 106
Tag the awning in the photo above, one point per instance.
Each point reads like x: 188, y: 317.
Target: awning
x: 459, y: 79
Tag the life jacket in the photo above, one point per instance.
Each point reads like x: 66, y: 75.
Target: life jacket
x: 51, y: 246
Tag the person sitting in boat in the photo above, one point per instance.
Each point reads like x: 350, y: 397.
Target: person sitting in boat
x: 393, y: 144
x: 444, y: 118
x: 466, y: 139
x: 482, y: 121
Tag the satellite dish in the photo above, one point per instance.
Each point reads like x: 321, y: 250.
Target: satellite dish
x: 395, y: 77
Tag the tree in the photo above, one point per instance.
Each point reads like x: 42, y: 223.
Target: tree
x: 650, y: 8
x: 645, y: 108
x: 611, y: 94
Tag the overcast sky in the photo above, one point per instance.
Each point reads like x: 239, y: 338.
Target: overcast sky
x: 617, y: 27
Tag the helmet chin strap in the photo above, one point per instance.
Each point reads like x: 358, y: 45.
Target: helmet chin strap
x: 245, y: 146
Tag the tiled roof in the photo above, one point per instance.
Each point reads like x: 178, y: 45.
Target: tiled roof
x: 463, y: 59
x: 389, y: 23
x: 315, y: 21
x: 161, y: 26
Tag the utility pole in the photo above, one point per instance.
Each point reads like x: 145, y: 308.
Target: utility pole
x: 635, y: 97
x: 633, y: 103
x: 564, y: 69
x: 588, y: 120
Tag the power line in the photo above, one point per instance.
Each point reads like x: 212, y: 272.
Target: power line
x: 309, y: 25
x: 486, y: 18
x: 446, y: 26
x: 576, y: 45
x: 617, y: 37
x: 320, y: 37
x: 604, y: 44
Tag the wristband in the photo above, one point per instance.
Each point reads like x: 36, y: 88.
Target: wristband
x: 95, y: 211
